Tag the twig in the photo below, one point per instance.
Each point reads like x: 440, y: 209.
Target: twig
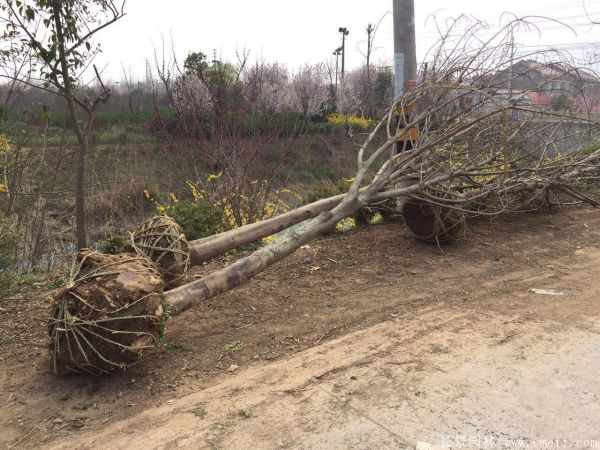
x: 22, y: 439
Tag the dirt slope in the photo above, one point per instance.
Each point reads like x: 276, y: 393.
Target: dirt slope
x: 451, y: 342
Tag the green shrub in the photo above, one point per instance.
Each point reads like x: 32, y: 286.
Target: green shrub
x: 319, y: 192
x: 198, y: 218
x: 8, y: 281
x: 113, y: 244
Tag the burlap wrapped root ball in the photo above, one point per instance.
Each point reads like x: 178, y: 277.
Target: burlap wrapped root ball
x: 433, y: 223
x: 161, y: 240
x: 107, y: 315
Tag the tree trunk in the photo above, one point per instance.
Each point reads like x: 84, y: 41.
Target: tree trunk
x: 82, y: 137
x: 80, y: 226
x: 205, y: 249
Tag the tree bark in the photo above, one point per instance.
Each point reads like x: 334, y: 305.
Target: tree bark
x: 80, y: 225
x: 205, y: 249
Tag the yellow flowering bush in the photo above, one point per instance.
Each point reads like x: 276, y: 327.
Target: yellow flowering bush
x: 212, y: 209
x: 5, y: 145
x: 5, y: 149
x: 350, y: 119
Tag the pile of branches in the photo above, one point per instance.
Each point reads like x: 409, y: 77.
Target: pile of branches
x: 476, y: 154
x: 484, y: 148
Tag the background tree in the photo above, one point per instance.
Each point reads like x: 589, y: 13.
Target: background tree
x: 309, y: 90
x: 56, y: 37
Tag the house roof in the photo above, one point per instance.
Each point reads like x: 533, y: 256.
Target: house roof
x: 554, y: 70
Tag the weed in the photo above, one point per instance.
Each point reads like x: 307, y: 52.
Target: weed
x: 288, y: 443
x: 167, y: 314
x: 246, y: 413
x: 235, y: 346
x: 200, y: 412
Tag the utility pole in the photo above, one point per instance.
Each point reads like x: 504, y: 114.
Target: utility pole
x: 345, y: 33
x: 405, y: 51
x: 337, y: 52
x: 370, y: 31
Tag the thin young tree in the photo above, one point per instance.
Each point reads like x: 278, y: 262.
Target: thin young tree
x: 57, y: 37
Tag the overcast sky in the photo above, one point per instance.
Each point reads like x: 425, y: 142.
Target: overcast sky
x: 305, y: 31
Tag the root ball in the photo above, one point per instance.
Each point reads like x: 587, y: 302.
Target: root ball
x: 161, y: 240
x: 433, y: 223
x: 110, y: 311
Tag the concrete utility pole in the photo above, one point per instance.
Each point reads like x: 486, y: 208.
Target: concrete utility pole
x: 405, y: 48
x: 370, y: 35
x: 345, y: 33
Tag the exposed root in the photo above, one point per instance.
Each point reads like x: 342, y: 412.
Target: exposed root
x: 110, y: 311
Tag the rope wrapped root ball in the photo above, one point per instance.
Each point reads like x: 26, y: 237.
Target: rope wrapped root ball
x: 161, y: 240
x: 433, y: 223
x: 107, y: 315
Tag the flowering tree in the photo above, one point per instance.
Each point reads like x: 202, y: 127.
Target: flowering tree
x: 266, y: 88
x: 227, y: 120
x: 352, y: 93
x: 309, y: 91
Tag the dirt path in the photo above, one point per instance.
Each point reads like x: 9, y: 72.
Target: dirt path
x: 448, y: 346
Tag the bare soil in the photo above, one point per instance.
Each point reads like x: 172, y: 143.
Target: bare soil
x: 369, y: 339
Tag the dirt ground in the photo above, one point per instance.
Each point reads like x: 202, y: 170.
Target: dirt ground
x: 364, y: 340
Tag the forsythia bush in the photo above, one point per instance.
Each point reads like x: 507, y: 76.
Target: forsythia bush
x: 349, y: 119
x: 198, y: 217
x: 5, y: 148
x: 9, y: 245
x: 210, y: 211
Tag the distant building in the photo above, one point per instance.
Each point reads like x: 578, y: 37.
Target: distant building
x: 542, y: 81
x: 528, y: 75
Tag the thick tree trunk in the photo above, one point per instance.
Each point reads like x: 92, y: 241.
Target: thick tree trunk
x: 205, y: 249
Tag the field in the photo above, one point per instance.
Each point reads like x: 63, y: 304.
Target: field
x: 368, y: 339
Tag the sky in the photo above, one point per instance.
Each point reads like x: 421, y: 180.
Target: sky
x: 299, y: 32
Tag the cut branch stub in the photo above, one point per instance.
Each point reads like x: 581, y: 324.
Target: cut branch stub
x: 433, y: 223
x: 110, y: 311
x: 162, y: 241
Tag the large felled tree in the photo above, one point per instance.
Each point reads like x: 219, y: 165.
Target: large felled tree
x: 58, y: 37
